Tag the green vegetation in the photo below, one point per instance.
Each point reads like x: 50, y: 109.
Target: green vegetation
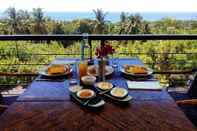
x: 23, y: 22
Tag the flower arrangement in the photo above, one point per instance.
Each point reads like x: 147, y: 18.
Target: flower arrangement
x: 104, y: 50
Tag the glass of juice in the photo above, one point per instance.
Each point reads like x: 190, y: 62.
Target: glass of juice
x: 83, y: 66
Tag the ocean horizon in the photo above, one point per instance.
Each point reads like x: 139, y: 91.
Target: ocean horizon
x: 115, y: 16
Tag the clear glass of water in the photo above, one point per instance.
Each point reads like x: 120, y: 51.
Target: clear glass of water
x: 114, y: 63
x: 73, y: 80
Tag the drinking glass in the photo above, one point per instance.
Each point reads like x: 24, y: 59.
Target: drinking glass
x: 115, y: 62
x: 83, y: 67
x: 73, y: 82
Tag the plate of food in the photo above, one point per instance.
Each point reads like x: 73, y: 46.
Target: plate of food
x: 136, y: 70
x: 93, y: 70
x: 56, y: 70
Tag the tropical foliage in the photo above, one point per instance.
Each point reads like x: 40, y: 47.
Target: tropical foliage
x: 160, y: 55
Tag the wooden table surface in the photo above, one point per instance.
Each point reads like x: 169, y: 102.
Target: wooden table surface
x: 47, y: 106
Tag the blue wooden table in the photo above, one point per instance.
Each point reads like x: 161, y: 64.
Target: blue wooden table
x: 46, y: 105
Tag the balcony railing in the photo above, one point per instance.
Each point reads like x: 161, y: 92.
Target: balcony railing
x: 48, y: 38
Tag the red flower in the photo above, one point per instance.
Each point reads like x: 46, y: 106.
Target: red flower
x: 104, y: 50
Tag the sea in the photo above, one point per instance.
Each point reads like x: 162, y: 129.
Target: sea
x: 115, y: 16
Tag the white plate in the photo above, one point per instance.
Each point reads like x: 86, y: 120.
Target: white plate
x: 150, y: 72
x: 44, y: 72
x: 109, y: 69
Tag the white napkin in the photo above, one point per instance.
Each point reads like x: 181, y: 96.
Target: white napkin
x: 144, y: 85
x: 64, y: 62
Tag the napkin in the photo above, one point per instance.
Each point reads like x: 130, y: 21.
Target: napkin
x: 64, y: 62
x: 144, y: 85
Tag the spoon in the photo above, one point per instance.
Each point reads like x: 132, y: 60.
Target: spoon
x: 103, y: 92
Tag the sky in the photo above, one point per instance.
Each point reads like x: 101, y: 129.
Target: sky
x: 106, y: 5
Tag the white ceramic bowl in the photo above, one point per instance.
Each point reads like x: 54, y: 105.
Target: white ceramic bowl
x: 104, y: 85
x: 88, y: 80
x: 119, y: 92
x: 86, y: 94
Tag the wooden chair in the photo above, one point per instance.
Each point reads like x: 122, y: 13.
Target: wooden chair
x: 192, y: 94
x: 188, y: 101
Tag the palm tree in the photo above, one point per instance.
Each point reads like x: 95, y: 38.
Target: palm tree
x: 123, y: 22
x: 135, y: 25
x: 39, y: 21
x: 57, y: 28
x: 100, y: 23
x: 12, y: 20
x: 123, y: 17
x: 25, y: 22
x: 85, y: 26
x: 147, y: 29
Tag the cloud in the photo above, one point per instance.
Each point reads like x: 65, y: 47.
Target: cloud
x: 107, y: 5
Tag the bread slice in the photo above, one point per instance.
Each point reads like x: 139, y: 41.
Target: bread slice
x: 56, y: 69
x: 135, y: 69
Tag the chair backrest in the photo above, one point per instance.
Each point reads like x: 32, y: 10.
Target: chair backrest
x: 1, y: 97
x: 192, y: 92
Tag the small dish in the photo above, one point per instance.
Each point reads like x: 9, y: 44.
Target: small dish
x: 106, y: 93
x: 75, y: 88
x: 104, y: 85
x: 119, y: 92
x: 85, y: 94
x: 88, y: 80
x: 94, y: 102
